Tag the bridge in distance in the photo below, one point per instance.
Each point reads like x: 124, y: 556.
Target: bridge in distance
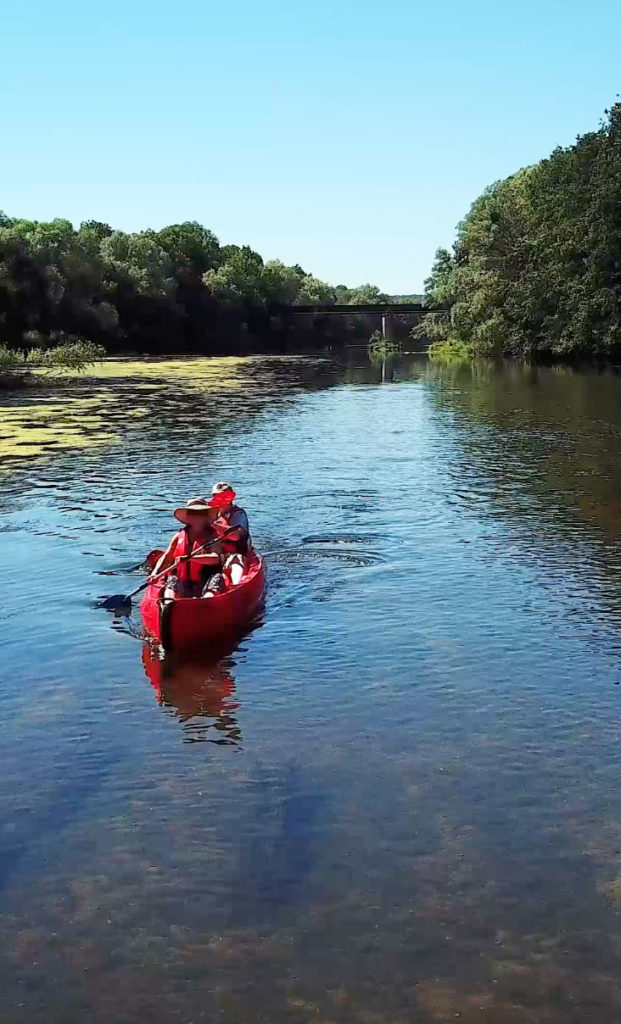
x: 385, y: 310
x: 350, y: 310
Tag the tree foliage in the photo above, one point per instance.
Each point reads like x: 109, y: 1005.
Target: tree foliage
x: 536, y: 266
x: 367, y: 293
x: 173, y: 289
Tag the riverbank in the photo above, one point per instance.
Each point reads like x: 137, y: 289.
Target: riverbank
x: 30, y: 367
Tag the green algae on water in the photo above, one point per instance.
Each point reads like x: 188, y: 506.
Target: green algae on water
x: 95, y: 410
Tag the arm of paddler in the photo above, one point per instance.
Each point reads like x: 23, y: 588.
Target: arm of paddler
x: 208, y: 558
x: 235, y: 526
x: 239, y: 530
x: 235, y: 533
x: 237, y: 540
x: 166, y: 559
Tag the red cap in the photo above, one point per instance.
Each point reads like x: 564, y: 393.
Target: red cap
x: 221, y: 499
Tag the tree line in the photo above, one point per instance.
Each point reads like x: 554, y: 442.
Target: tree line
x: 535, y: 270
x: 176, y: 289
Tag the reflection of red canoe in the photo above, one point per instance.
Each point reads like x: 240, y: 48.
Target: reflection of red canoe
x: 194, y: 622
x: 200, y: 693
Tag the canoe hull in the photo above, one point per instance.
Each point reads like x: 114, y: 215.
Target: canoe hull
x: 191, y: 623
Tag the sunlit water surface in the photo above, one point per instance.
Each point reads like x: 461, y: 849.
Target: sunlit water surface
x: 398, y: 799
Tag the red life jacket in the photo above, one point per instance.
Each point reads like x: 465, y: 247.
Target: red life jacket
x: 192, y: 568
x: 221, y: 525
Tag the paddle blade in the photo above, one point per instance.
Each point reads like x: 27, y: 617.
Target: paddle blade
x: 119, y: 603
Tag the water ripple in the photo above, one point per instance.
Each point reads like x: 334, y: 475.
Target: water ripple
x: 396, y: 797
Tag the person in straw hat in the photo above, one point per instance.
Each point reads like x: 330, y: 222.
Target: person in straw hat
x: 192, y: 576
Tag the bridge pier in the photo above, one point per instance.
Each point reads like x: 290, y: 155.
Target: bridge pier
x: 386, y: 327
x: 391, y: 313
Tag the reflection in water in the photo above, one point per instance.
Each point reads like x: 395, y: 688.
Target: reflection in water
x: 199, y: 693
x: 423, y: 821
x: 121, y: 397
x: 542, y: 454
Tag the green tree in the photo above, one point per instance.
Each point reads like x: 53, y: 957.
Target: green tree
x: 89, y: 237
x: 49, y: 241
x: 154, y: 290
x: 23, y: 290
x: 240, y: 278
x: 439, y: 286
x: 191, y: 247
x: 536, y: 267
x: 342, y: 294
x: 281, y: 284
x: 141, y: 260
x: 367, y: 293
x: 314, y: 292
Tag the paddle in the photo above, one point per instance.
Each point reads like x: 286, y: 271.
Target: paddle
x: 118, y: 601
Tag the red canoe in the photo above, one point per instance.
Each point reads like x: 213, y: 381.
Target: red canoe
x: 191, y: 622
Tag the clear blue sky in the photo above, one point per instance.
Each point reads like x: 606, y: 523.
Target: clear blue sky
x: 347, y: 136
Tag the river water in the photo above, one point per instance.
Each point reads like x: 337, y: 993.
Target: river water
x: 397, y: 800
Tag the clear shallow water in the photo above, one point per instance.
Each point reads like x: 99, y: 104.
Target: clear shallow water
x: 397, y: 800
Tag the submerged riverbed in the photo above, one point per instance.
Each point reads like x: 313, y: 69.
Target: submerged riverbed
x: 395, y: 801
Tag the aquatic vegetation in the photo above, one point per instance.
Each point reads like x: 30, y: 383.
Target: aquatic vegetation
x: 71, y: 355
x: 10, y: 359
x: 451, y: 351
x: 381, y: 348
x: 204, y: 372
x: 120, y: 392
x: 27, y: 430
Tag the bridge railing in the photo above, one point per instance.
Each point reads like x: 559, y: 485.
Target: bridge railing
x: 344, y: 309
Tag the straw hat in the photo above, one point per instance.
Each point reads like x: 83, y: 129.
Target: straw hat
x: 193, y: 506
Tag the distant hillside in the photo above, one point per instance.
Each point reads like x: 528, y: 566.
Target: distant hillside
x: 406, y: 298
